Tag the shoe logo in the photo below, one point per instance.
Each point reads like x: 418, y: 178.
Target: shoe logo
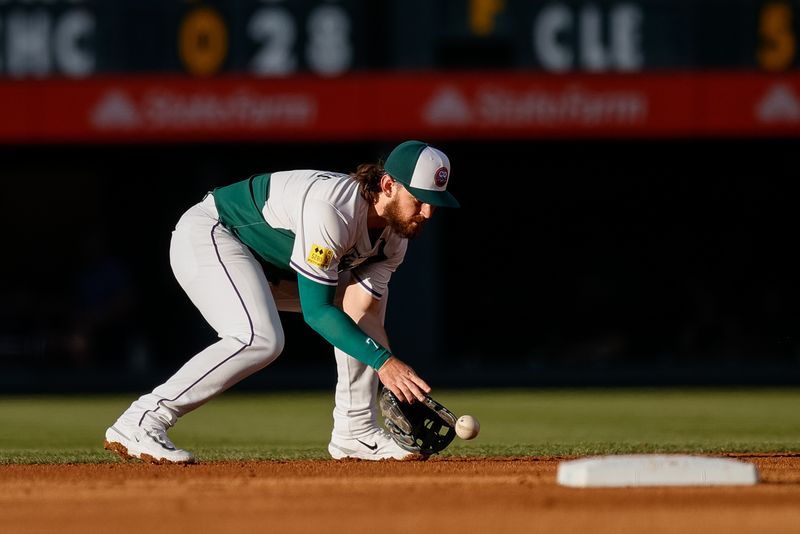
x: 160, y: 440
x: 372, y: 447
x: 122, y: 434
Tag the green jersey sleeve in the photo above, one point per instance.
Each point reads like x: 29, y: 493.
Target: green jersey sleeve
x: 335, y: 325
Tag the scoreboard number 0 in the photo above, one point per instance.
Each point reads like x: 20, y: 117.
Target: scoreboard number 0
x: 203, y: 41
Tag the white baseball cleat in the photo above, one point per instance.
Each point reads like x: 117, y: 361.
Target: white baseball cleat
x: 376, y: 446
x: 149, y: 444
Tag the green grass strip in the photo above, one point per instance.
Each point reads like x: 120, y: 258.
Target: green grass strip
x: 284, y: 426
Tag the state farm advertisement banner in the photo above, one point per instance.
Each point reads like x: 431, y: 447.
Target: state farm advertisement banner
x: 359, y: 107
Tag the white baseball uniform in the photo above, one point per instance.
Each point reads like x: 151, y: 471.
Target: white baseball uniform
x: 306, y: 223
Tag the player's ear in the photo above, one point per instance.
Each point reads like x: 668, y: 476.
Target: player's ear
x: 387, y: 183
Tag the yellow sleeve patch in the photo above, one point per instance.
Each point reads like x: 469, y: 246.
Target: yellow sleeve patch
x: 320, y: 256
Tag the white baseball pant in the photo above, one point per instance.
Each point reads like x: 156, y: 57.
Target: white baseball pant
x: 227, y: 284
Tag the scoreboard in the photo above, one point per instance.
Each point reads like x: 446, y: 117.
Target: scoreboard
x: 319, y: 70
x: 619, y: 36
x: 277, y: 38
x: 78, y: 38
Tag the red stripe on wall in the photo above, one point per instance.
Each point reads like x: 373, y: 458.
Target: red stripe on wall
x: 368, y: 106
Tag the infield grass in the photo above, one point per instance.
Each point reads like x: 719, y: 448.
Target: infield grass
x: 63, y: 429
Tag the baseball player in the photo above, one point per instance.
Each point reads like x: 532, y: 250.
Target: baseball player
x: 329, y: 243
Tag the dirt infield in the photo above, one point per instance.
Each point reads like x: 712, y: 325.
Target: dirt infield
x: 453, y: 495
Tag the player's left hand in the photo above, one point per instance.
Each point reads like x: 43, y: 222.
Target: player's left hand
x: 403, y: 381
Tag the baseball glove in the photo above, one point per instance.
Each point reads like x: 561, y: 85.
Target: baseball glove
x: 423, y: 427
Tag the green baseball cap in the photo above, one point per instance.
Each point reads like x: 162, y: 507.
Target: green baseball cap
x: 423, y: 170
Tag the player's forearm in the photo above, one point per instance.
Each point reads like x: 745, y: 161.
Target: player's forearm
x: 341, y: 332
x: 336, y: 327
x: 372, y: 325
x: 366, y: 311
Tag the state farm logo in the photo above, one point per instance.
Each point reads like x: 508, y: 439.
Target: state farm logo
x: 163, y: 108
x: 779, y: 104
x: 115, y: 110
x: 572, y: 105
x: 448, y: 107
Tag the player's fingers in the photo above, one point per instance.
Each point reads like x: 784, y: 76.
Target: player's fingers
x: 411, y: 390
x: 420, y: 383
x: 415, y: 392
x: 404, y: 394
x: 403, y: 381
x: 416, y: 385
x: 396, y: 386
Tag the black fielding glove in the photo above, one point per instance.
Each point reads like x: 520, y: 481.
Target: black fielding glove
x: 425, y: 427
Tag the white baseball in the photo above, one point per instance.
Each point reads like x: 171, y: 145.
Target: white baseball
x: 467, y: 427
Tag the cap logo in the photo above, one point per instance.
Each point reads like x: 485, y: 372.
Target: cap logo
x: 440, y: 177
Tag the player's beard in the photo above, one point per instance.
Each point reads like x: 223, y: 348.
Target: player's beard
x: 408, y: 227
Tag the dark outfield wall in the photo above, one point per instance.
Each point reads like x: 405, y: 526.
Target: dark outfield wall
x: 569, y: 263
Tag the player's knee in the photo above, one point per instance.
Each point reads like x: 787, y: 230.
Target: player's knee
x: 261, y: 350
x: 264, y: 350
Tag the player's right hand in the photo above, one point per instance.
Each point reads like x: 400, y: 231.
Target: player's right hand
x: 403, y: 381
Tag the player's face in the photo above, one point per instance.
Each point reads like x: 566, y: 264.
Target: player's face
x: 405, y: 214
